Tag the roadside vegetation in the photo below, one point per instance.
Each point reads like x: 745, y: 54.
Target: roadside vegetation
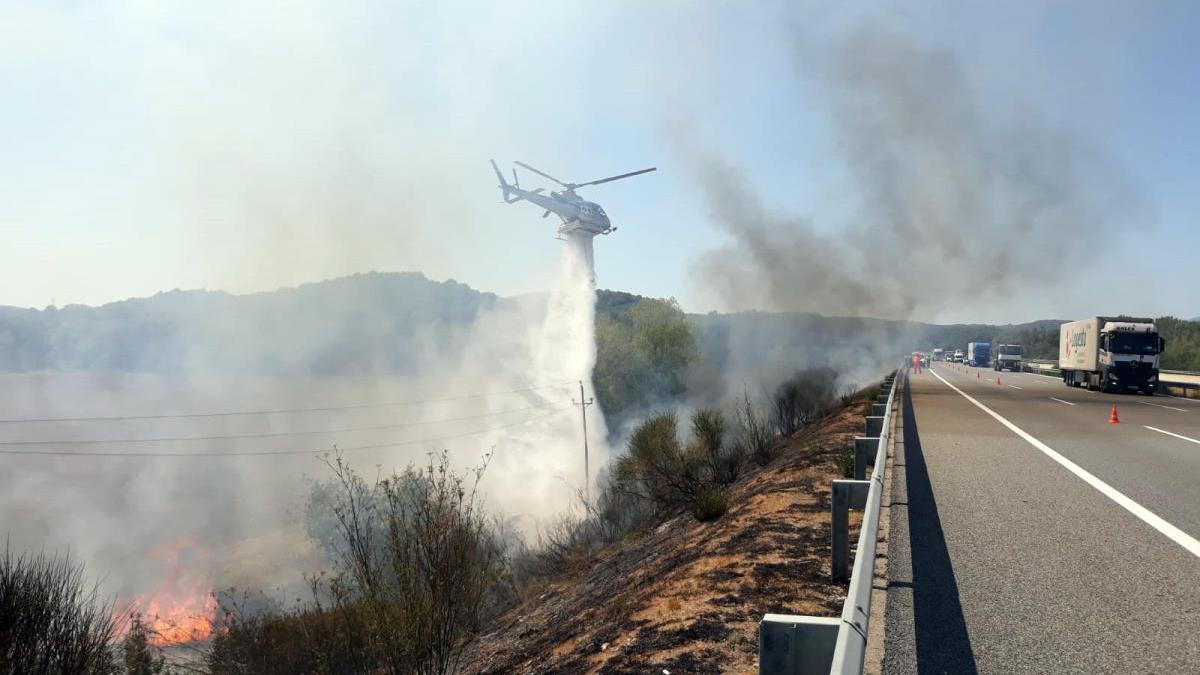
x: 417, y: 565
x: 51, y: 620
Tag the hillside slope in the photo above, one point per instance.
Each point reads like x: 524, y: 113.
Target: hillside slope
x: 688, y: 596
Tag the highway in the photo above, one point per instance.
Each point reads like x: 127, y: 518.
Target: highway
x: 1035, y: 537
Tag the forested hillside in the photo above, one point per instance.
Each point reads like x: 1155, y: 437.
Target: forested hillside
x: 649, y: 351
x: 366, y: 323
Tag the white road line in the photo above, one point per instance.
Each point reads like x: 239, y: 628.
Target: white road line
x: 1061, y: 401
x: 1146, y: 515
x: 1163, y: 431
x: 1157, y: 405
x: 1052, y: 377
x: 1015, y: 386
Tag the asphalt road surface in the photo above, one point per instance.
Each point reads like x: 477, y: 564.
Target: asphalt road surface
x: 1049, y: 542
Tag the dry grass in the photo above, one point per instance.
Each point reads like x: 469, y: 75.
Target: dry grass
x: 688, y: 596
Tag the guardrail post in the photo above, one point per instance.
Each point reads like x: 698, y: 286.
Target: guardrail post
x: 879, y: 409
x: 875, y: 425
x: 847, y: 494
x: 841, y: 531
x: 796, y: 645
x: 863, y: 447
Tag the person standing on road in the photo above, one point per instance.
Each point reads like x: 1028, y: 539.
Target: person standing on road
x: 917, y: 364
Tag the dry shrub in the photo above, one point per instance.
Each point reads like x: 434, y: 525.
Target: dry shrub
x: 416, y: 564
x: 755, y: 435
x: 676, y: 476
x: 50, y: 620
x: 802, y: 399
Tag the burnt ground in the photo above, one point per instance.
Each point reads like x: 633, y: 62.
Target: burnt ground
x: 687, y: 597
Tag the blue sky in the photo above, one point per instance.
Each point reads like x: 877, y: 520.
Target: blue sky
x: 150, y: 146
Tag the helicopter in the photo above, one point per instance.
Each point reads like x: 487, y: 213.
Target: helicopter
x: 579, y: 216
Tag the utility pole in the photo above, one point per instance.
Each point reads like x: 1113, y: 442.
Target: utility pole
x: 587, y: 471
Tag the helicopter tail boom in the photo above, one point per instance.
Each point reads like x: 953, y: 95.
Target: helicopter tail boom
x: 504, y: 186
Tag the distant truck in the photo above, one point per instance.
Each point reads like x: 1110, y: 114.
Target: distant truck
x: 1008, y: 357
x: 978, y: 353
x: 1118, y: 354
x: 939, y: 354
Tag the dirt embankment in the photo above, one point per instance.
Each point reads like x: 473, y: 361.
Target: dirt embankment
x: 687, y: 597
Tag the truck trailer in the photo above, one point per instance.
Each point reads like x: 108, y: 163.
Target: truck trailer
x: 1008, y: 357
x: 1116, y: 354
x: 978, y: 353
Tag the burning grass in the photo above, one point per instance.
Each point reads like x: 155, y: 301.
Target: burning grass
x: 182, y: 608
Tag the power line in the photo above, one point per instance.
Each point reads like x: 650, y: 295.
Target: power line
x: 273, y: 434
x: 259, y: 453
x: 278, y: 411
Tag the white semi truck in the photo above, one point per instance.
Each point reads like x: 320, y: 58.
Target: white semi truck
x: 1118, y: 354
x: 1008, y: 357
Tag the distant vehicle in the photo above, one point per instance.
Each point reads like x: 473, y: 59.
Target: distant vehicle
x: 958, y: 356
x: 1008, y: 357
x: 1117, y: 354
x: 939, y: 354
x: 978, y: 353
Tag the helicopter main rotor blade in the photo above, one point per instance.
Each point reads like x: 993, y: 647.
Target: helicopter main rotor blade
x: 543, y: 174
x: 612, y: 178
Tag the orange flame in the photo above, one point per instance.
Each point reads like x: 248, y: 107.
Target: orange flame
x: 183, y: 608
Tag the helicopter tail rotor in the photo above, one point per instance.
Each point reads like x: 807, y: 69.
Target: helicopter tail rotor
x: 504, y: 186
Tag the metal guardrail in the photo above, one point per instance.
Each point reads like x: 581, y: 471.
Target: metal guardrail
x: 803, y: 645
x: 1183, y: 379
x: 807, y: 645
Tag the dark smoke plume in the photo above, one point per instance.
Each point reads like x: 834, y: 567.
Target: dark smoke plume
x: 956, y: 200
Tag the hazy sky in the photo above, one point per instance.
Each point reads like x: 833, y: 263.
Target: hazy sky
x: 149, y: 145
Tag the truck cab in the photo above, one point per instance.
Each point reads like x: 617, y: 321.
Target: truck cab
x: 1129, y: 356
x: 1115, y: 354
x: 1008, y: 357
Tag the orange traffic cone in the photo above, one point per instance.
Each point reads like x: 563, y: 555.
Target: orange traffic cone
x: 997, y: 380
x: 1113, y: 419
x: 977, y: 374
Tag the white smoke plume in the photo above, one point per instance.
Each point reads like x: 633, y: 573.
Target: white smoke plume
x: 278, y: 144
x: 164, y: 531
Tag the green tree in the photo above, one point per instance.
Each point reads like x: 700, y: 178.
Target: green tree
x: 644, y: 348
